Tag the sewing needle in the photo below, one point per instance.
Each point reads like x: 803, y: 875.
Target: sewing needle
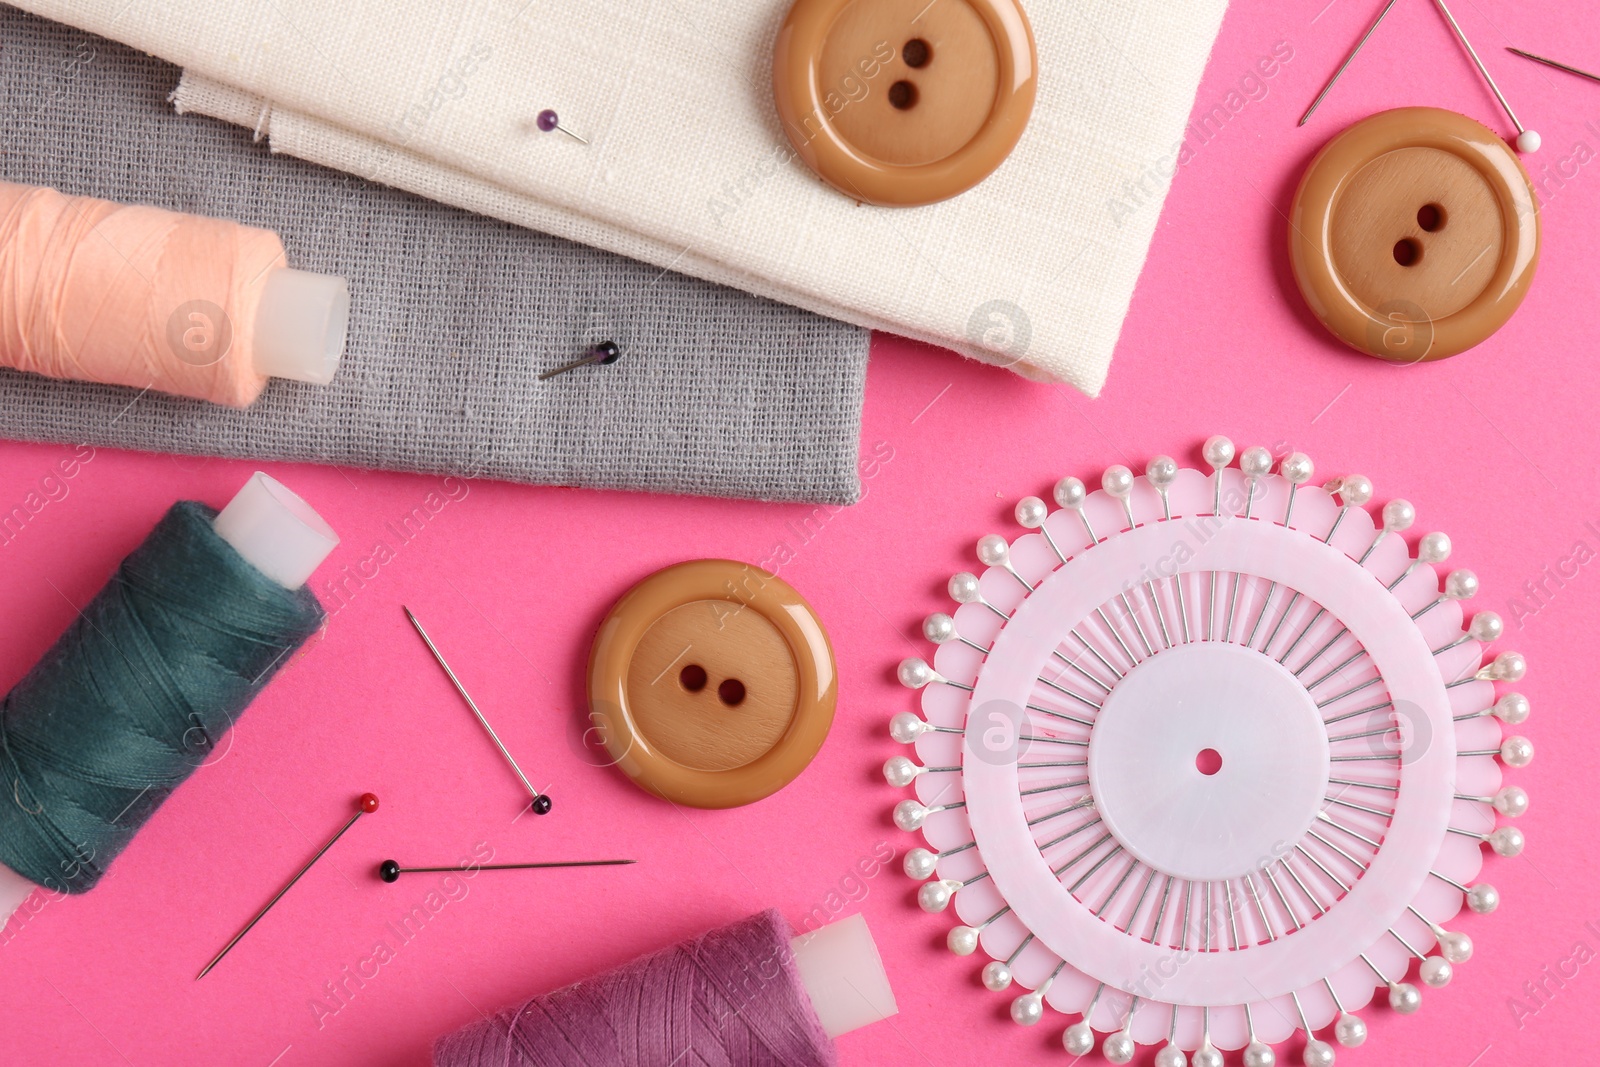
x: 1359, y: 44
x: 1555, y: 64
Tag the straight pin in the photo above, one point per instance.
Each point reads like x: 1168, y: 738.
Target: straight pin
x: 1101, y: 910
x: 1161, y: 616
x: 1303, y: 888
x: 1354, y: 491
x: 1095, y: 653
x: 1058, y: 715
x: 940, y: 627
x: 1072, y: 494
x: 390, y: 871
x: 1097, y: 683
x: 1118, y: 484
x: 1053, y: 842
x: 1102, y: 839
x: 1342, y: 665
x: 1296, y: 469
x: 1218, y: 452
x: 1261, y: 909
x: 1359, y: 711
x: 995, y: 551
x: 1137, y: 904
x: 1278, y: 892
x: 541, y: 803
x: 1101, y: 862
x: 964, y: 589
x: 1527, y: 140
x: 1304, y: 630
x: 1255, y: 462
x: 1161, y: 909
x: 548, y: 121
x: 1183, y: 607
x: 602, y: 355
x: 1046, y: 788
x: 1031, y: 512
x: 1352, y: 690
x: 1188, y: 898
x: 1074, y: 806
x: 366, y: 805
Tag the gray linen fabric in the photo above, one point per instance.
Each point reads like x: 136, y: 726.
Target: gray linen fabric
x: 718, y: 392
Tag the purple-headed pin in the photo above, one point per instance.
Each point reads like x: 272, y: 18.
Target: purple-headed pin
x: 548, y: 120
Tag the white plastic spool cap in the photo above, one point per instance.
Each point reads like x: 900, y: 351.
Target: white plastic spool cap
x: 276, y: 532
x: 14, y: 889
x: 841, y: 970
x: 301, y: 324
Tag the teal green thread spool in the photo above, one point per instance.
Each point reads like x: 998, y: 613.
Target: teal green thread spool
x: 148, y: 679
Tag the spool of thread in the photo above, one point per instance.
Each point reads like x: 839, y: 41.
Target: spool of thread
x: 147, y: 680
x: 151, y: 299
x: 747, y: 995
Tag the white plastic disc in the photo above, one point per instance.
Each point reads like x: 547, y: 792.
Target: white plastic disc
x: 1210, y: 759
x: 1201, y: 818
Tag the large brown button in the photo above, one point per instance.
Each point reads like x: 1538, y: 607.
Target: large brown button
x: 712, y: 683
x: 904, y: 102
x: 1414, y: 234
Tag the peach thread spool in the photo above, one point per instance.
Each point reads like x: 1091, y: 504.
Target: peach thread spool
x: 151, y: 299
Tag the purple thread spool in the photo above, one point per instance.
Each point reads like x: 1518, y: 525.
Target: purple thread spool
x: 548, y: 120
x: 741, y: 996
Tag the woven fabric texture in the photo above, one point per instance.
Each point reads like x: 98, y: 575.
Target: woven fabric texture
x: 687, y: 164
x: 719, y: 392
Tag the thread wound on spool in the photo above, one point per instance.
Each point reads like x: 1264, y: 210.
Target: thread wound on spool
x: 131, y: 295
x: 731, y: 998
x: 135, y: 695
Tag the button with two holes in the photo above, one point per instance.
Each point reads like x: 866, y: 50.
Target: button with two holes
x: 712, y: 683
x: 903, y: 102
x: 730, y: 691
x: 1414, y: 234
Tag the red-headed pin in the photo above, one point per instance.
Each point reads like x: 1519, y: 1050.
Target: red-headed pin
x: 365, y: 805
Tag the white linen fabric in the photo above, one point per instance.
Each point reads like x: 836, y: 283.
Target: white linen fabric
x: 687, y: 167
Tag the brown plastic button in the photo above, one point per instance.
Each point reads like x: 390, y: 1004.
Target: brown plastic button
x: 712, y: 683
x: 903, y: 102
x: 1414, y: 234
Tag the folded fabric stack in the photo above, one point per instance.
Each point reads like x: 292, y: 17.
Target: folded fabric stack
x: 718, y: 393
x: 686, y: 165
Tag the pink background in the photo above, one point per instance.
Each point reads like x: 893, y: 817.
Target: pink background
x: 1497, y: 447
